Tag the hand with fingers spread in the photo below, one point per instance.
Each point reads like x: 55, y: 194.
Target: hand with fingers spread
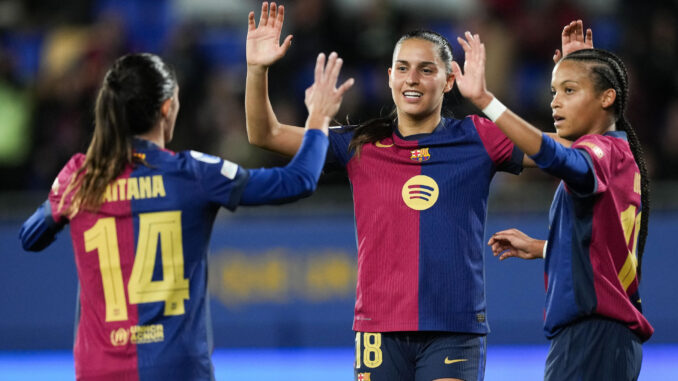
x: 471, y: 83
x: 573, y: 39
x: 514, y: 243
x: 263, y: 46
x: 323, y: 98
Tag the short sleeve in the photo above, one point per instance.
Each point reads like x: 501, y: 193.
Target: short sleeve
x: 600, y: 153
x: 505, y: 155
x: 221, y: 181
x: 338, y: 155
x: 58, y: 200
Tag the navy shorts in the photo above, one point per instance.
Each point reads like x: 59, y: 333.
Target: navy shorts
x: 419, y: 356
x: 594, y: 349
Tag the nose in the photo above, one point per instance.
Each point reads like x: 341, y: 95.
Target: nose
x: 412, y: 77
x: 555, y: 102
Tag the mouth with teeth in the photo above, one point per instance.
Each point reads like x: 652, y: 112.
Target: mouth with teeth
x: 412, y: 95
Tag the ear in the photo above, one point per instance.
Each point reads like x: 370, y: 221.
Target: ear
x: 389, y: 78
x: 449, y: 84
x: 166, y: 107
x: 608, y: 97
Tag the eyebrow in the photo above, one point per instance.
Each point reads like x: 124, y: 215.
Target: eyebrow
x: 421, y: 63
x: 568, y: 80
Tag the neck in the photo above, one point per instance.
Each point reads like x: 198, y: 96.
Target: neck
x: 408, y: 125
x: 155, y: 135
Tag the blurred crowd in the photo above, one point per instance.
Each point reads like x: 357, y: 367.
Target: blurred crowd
x: 53, y: 55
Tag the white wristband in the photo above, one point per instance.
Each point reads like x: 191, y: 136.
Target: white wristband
x: 494, y: 110
x: 543, y: 253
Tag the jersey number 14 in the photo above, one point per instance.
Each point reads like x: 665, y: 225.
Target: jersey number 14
x: 172, y: 289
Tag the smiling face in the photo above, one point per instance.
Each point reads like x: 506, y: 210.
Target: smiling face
x: 418, y: 79
x: 578, y: 108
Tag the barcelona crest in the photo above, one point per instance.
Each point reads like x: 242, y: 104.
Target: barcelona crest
x: 364, y: 376
x: 420, y: 154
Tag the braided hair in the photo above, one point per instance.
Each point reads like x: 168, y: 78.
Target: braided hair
x: 608, y: 71
x: 379, y: 128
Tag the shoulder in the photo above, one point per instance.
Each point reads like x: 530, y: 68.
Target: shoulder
x: 601, y: 147
x: 75, y: 162
x: 198, y: 164
x: 345, y: 130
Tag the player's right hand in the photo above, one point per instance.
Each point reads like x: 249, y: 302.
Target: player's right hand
x: 514, y: 243
x: 263, y: 47
x: 323, y: 98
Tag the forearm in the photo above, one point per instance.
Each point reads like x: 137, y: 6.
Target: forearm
x: 259, y: 115
x: 297, y: 179
x: 263, y: 128
x: 39, y: 230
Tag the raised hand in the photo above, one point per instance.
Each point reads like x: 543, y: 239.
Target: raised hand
x: 514, y: 243
x: 471, y: 83
x: 323, y: 98
x: 263, y: 47
x: 573, y: 39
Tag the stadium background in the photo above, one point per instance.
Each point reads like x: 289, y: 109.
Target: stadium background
x: 284, y: 277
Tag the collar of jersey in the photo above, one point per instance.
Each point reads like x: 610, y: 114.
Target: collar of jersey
x: 414, y: 140
x: 143, y: 144
x: 617, y: 134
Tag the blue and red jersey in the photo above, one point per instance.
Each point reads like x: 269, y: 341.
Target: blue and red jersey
x: 420, y: 207
x: 142, y: 257
x: 590, y: 265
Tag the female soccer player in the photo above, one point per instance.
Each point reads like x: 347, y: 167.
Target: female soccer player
x: 141, y: 218
x: 420, y: 184
x: 598, y: 218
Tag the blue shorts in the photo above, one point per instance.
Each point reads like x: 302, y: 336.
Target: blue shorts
x: 419, y: 356
x: 595, y: 348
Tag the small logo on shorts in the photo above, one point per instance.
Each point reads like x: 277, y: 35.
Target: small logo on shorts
x: 364, y: 376
x: 448, y: 361
x: 480, y: 318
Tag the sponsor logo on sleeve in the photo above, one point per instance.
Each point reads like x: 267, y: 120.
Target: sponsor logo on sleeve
x: 596, y: 150
x: 229, y: 169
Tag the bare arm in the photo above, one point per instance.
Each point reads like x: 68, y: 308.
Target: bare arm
x: 263, y: 49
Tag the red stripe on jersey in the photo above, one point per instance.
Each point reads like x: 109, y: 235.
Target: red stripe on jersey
x: 103, y: 350
x: 388, y: 240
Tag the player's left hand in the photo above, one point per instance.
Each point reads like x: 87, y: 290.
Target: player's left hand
x: 471, y: 83
x: 573, y: 39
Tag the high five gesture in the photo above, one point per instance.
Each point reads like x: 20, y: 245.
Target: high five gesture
x: 263, y: 46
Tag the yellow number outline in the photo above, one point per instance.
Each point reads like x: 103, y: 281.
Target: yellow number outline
x: 173, y: 289
x: 630, y: 222
x: 372, y: 344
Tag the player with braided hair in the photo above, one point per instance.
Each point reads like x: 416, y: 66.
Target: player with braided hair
x: 598, y: 218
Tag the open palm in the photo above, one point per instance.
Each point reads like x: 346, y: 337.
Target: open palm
x: 471, y: 83
x: 263, y: 46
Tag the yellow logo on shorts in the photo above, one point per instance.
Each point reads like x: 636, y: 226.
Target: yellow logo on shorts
x: 420, y: 192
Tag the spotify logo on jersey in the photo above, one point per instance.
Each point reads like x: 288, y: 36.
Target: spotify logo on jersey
x: 420, y: 192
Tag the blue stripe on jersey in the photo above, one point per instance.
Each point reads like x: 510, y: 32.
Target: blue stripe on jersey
x: 451, y: 269
x: 573, y: 295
